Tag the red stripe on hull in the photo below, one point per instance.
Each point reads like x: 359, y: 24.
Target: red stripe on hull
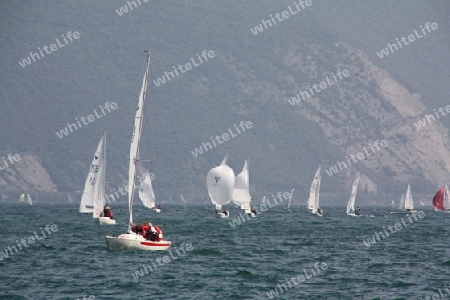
x: 153, y: 244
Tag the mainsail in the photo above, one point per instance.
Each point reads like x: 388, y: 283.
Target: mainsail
x: 313, y: 201
x: 351, y: 201
x: 135, y: 141
x: 241, y: 193
x: 441, y: 200
x: 291, y: 194
x: 94, y: 187
x: 409, y: 203
x: 146, y: 193
x: 29, y: 201
x: 220, y: 182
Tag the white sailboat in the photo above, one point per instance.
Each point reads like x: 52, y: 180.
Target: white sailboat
x: 313, y: 201
x: 288, y: 206
x: 132, y: 240
x: 22, y: 198
x: 406, y: 203
x: 70, y: 198
x: 220, y: 182
x: 241, y: 192
x: 29, y: 201
x: 146, y: 193
x: 93, y: 198
x: 351, y: 202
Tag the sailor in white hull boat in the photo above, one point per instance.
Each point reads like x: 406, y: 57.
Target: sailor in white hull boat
x: 107, y: 212
x: 148, y: 231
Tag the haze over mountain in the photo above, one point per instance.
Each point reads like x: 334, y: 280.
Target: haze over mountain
x: 250, y: 77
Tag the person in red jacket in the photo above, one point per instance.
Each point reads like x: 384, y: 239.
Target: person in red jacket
x: 107, y: 212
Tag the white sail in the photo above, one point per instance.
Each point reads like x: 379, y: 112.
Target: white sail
x: 409, y: 204
x: 29, y: 199
x: 402, y: 202
x: 146, y: 193
x: 182, y: 199
x: 100, y: 185
x: 290, y: 199
x: 135, y: 141
x: 22, y: 198
x: 446, y: 198
x: 91, y: 185
x: 70, y: 198
x: 313, y: 201
x: 241, y: 193
x: 220, y: 182
x: 351, y: 201
x: 264, y: 200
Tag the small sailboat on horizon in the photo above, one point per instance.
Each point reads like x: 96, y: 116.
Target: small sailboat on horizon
x: 287, y: 207
x: 351, y: 202
x: 406, y: 203
x: 313, y: 201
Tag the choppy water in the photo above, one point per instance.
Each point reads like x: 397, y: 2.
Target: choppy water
x: 246, y: 262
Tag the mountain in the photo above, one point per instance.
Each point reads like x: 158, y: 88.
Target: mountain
x: 250, y: 77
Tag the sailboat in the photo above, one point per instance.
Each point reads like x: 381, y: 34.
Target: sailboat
x: 241, y: 192
x: 351, y: 202
x: 132, y: 240
x: 70, y: 198
x: 406, y: 203
x: 220, y: 182
x: 93, y: 199
x: 29, y: 201
x: 441, y: 200
x: 287, y: 208
x: 313, y: 201
x: 146, y: 193
x: 25, y: 198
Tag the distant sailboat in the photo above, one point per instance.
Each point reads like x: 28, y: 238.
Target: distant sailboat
x: 313, y: 201
x: 406, y: 202
x: 146, y: 193
x: 29, y: 201
x: 241, y: 192
x: 220, y: 182
x: 25, y: 198
x: 132, y: 240
x: 264, y: 200
x: 70, y: 198
x: 441, y: 201
x: 287, y: 208
x: 351, y: 202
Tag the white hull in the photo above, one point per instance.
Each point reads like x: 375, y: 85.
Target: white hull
x: 404, y: 212
x: 132, y: 241
x: 106, y: 221
x: 223, y: 216
x: 353, y: 215
x: 251, y: 215
x: 157, y: 210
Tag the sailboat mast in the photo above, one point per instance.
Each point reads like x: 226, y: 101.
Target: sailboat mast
x: 135, y: 141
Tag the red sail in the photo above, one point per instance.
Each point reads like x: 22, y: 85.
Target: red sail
x: 438, y: 199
